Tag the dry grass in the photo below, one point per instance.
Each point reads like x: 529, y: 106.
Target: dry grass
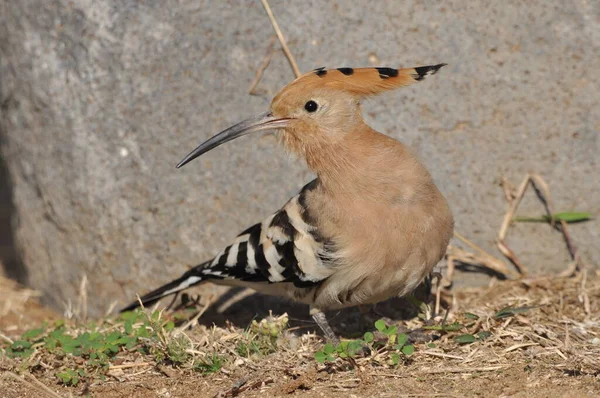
x: 549, y: 346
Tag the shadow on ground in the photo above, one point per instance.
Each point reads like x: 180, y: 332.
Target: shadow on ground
x: 348, y: 323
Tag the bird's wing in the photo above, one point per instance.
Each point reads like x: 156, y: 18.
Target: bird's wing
x: 283, y: 248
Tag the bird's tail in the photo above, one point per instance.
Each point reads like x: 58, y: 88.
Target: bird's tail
x: 190, y: 278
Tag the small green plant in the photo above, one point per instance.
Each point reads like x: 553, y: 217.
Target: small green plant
x: 260, y: 338
x: 510, y: 311
x: 470, y: 338
x: 211, y: 364
x: 71, y: 377
x: 396, y: 345
x: 20, y: 348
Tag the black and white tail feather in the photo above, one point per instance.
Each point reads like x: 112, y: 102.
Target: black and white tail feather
x: 283, y: 250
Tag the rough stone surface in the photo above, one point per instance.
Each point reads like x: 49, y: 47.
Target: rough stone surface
x: 100, y: 99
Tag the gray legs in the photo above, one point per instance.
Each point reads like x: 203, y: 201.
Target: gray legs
x: 321, y: 320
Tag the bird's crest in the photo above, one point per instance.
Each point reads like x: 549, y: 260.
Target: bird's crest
x: 365, y: 81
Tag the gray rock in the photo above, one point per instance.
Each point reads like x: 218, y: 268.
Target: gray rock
x: 100, y: 99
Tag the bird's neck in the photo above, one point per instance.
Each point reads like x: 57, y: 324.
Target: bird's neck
x: 368, y: 164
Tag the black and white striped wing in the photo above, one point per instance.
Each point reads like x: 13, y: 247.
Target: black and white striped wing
x: 283, y: 248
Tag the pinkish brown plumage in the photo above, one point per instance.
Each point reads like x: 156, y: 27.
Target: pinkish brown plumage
x: 371, y: 226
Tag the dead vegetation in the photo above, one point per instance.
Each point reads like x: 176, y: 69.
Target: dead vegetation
x: 513, y: 336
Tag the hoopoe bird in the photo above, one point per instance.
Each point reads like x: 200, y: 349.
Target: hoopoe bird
x: 371, y: 226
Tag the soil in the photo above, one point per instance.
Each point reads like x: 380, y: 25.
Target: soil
x: 551, y: 350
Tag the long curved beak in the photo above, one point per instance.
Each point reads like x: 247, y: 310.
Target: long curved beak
x: 261, y: 122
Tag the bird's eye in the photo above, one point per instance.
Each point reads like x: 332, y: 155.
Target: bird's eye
x: 311, y: 106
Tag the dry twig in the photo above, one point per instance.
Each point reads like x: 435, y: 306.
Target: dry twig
x: 543, y: 193
x: 263, y: 66
x: 284, y: 46
x: 196, y: 317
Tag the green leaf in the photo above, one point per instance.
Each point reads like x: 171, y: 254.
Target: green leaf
x: 329, y: 348
x: 391, y: 330
x: 395, y: 358
x: 572, y: 216
x: 20, y: 345
x: 447, y: 328
x: 408, y: 349
x: 131, y: 343
x: 354, y: 347
x: 19, y: 348
x: 113, y: 337
x: 70, y: 377
x: 510, y: 311
x: 483, y: 335
x: 469, y: 315
x: 453, y: 327
x: 368, y: 337
x: 402, y: 339
x: 380, y: 325
x: 170, y: 325
x: 569, y: 217
x: 20, y: 354
x: 431, y: 345
x: 69, y: 348
x: 33, y: 333
x: 465, y: 339
x: 391, y: 338
x: 155, y: 316
x: 128, y: 326
x: 320, y: 356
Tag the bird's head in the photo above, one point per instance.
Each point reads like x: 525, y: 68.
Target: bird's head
x: 319, y: 108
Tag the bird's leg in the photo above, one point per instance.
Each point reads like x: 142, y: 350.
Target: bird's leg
x: 321, y: 320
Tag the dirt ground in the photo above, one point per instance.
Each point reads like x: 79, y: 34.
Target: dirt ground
x: 550, y: 349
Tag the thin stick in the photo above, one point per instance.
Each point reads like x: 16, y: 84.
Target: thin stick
x: 490, y: 261
x: 583, y: 295
x: 512, y: 208
x: 81, y: 310
x: 130, y: 365
x: 111, y: 308
x: 482, y: 260
x: 441, y: 355
x: 37, y: 384
x: 438, y: 294
x: 196, y: 317
x: 471, y: 244
x: 284, y: 46
x: 517, y: 346
x: 462, y: 370
x: 42, y: 386
x: 140, y: 301
x: 6, y: 338
x: 261, y: 69
x: 544, y: 195
x: 570, y: 270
